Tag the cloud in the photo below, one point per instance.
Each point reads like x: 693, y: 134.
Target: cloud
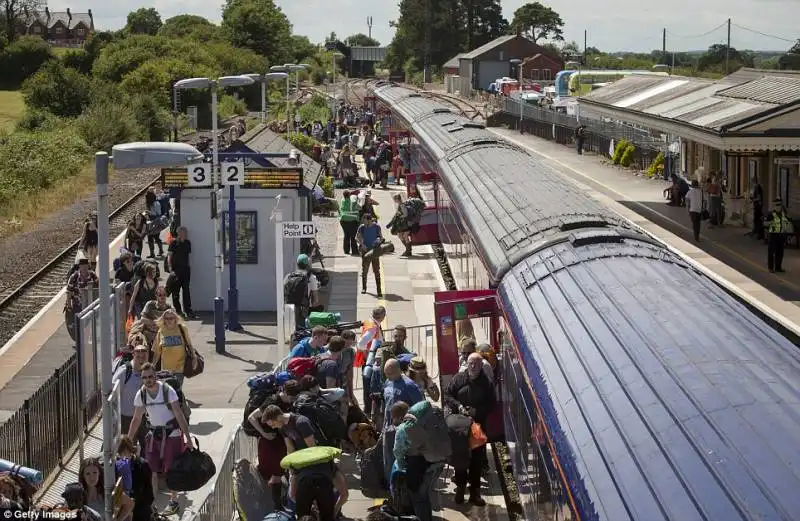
x: 611, y: 24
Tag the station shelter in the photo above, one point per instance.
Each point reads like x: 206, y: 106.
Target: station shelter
x: 255, y: 192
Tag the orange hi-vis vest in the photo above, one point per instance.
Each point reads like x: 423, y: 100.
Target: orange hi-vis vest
x: 370, y: 332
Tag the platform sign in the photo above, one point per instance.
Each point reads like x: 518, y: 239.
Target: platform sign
x: 233, y: 174
x: 199, y: 175
x: 299, y: 230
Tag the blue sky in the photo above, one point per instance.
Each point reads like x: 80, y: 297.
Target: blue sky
x: 611, y: 24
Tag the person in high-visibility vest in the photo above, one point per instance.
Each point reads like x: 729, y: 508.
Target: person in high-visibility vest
x: 778, y: 226
x: 368, y: 344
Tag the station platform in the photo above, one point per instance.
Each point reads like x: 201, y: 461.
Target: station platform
x: 724, y: 253
x: 219, y: 395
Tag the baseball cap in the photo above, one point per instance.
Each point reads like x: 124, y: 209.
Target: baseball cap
x: 302, y: 260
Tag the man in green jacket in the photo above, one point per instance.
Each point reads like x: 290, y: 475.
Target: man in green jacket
x: 348, y: 218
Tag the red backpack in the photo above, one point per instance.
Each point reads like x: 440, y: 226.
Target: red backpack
x: 299, y: 367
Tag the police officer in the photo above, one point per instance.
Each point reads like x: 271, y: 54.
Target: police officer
x: 778, y: 226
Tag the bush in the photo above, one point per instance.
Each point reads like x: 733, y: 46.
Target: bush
x: 154, y: 120
x: 36, y: 119
x: 79, y: 60
x: 105, y: 123
x: 21, y: 59
x: 657, y: 166
x: 58, y: 89
x: 619, y: 148
x: 35, y: 160
x: 317, y: 109
x: 302, y: 142
x: 228, y: 107
x: 627, y: 155
x: 326, y: 183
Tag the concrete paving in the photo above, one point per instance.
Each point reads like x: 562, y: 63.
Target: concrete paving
x: 723, y: 252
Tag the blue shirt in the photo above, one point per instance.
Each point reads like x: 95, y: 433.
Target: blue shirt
x: 403, y: 390
x: 371, y: 234
x: 304, y: 349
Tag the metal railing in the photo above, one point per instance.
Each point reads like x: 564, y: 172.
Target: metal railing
x: 42, y: 432
x: 218, y: 505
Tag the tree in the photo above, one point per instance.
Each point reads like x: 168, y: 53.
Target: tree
x: 571, y: 51
x: 190, y: 26
x: 259, y: 25
x: 302, y: 48
x: 433, y: 28
x: 361, y: 40
x: 487, y: 25
x: 144, y: 21
x: 60, y: 90
x: 790, y: 60
x: 714, y: 59
x: 15, y: 12
x: 21, y: 59
x: 538, y: 22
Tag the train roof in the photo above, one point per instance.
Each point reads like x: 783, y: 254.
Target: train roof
x: 665, y: 398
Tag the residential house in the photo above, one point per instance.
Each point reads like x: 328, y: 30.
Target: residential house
x: 60, y: 28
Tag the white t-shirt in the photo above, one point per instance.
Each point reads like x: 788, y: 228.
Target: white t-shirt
x: 160, y: 413
x: 694, y: 200
x: 313, y: 283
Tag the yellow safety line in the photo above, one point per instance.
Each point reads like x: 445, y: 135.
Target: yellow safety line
x: 382, y: 300
x: 377, y: 502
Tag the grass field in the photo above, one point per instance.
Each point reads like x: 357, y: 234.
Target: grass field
x: 11, y: 108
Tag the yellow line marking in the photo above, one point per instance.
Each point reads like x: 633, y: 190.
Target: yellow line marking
x: 625, y: 198
x: 382, y: 300
x: 377, y: 502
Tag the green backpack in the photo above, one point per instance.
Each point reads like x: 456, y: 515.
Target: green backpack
x: 303, y: 458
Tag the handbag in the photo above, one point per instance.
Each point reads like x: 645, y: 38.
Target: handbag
x: 193, y: 362
x: 477, y: 438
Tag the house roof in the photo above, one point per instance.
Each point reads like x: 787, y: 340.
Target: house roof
x: 266, y: 141
x: 710, y: 105
x: 59, y: 16
x: 453, y: 63
x: 488, y: 47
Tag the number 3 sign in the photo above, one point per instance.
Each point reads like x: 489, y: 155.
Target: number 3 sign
x: 199, y: 175
x: 232, y: 174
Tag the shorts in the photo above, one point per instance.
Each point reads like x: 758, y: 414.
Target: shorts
x: 270, y: 454
x: 173, y: 447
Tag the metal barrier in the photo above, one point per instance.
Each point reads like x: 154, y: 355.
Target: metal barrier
x: 218, y: 505
x: 40, y: 433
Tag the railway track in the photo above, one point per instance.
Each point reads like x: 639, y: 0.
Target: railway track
x: 24, y: 302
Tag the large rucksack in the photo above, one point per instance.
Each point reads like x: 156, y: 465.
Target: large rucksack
x: 168, y: 380
x: 302, y: 366
x: 414, y: 209
x: 295, y: 288
x: 429, y: 432
x: 324, y: 416
x: 258, y: 397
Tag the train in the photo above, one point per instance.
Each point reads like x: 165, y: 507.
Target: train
x: 634, y: 387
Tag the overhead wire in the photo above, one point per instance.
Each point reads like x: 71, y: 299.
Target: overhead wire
x: 715, y: 29
x: 765, y: 34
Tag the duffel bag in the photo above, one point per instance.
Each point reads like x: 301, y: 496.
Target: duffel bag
x: 278, y: 515
x: 323, y: 318
x: 373, y: 479
x: 191, y: 470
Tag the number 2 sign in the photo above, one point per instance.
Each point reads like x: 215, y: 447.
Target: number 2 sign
x: 232, y: 174
x: 199, y: 175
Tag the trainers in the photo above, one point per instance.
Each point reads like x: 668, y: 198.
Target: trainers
x: 172, y: 508
x: 459, y: 499
x: 477, y: 500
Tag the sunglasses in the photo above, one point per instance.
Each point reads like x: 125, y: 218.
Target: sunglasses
x: 148, y: 377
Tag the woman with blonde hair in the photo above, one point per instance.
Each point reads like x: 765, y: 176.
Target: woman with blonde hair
x: 172, y: 345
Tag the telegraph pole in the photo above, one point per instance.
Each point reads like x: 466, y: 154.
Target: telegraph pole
x: 664, y: 44
x: 585, y: 39
x: 728, y: 48
x: 369, y: 26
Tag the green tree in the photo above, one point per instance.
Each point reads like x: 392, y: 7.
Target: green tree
x: 426, y: 27
x: 14, y: 12
x: 259, y: 25
x: 790, y: 60
x: 21, y: 59
x: 302, y: 48
x: 538, y: 22
x: 714, y: 59
x: 144, y: 20
x: 361, y: 40
x: 488, y: 23
x: 106, y: 123
x: 190, y: 26
x: 60, y: 90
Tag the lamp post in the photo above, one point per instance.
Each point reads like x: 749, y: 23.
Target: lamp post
x: 334, y: 56
x: 214, y: 85
x: 126, y: 156
x: 288, y: 68
x: 519, y: 64
x: 263, y: 79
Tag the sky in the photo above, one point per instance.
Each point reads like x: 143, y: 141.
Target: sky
x: 612, y: 25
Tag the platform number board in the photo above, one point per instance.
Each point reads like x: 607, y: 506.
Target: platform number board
x: 199, y: 175
x: 232, y: 173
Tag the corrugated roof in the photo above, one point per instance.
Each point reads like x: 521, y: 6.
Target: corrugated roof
x: 267, y: 141
x: 454, y: 63
x: 774, y: 89
x: 654, y: 414
x: 488, y: 47
x: 368, y: 54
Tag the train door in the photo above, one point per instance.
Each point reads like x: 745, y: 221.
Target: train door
x: 370, y: 103
x: 400, y: 141
x: 426, y: 187
x: 455, y: 312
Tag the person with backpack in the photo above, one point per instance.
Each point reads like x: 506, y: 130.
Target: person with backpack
x: 129, y: 376
x: 319, y: 483
x: 421, y: 449
x: 406, y: 220
x: 471, y: 393
x: 178, y: 253
x: 397, y: 388
x: 313, y: 345
x: 172, y: 346
x: 370, y: 236
x: 348, y: 219
x: 301, y: 288
x: 297, y: 430
x: 137, y: 479
x: 168, y: 426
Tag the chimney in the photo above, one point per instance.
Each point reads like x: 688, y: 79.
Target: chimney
x: 69, y: 15
x: 47, y: 14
